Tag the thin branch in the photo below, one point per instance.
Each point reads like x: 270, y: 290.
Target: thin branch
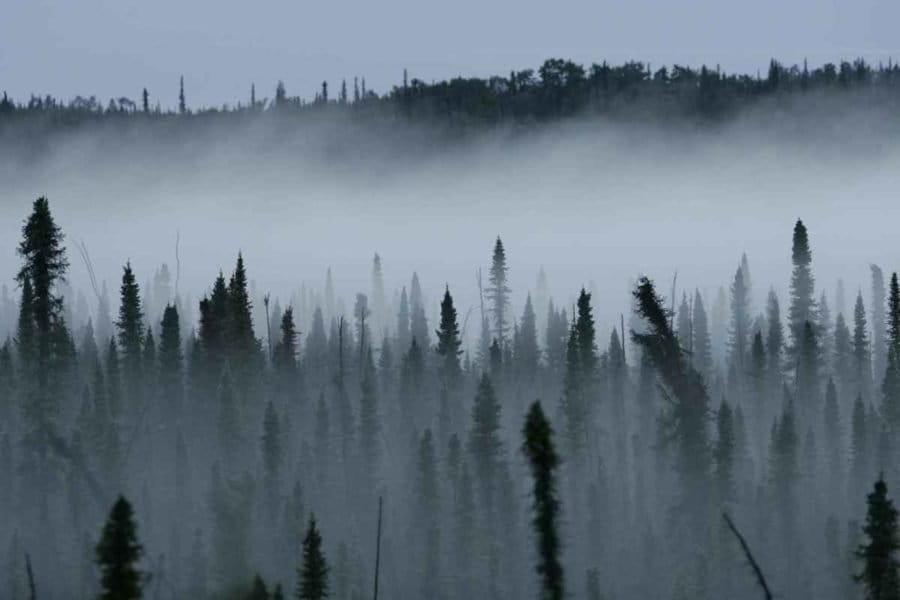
x: 760, y: 578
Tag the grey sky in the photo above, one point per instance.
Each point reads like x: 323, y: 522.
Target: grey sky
x: 116, y: 47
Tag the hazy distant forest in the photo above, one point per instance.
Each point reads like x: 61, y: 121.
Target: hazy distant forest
x: 389, y: 443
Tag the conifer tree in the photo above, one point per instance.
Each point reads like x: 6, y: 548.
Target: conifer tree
x: 378, y: 299
x: 527, y: 353
x: 484, y: 442
x: 739, y: 332
x: 148, y: 367
x: 774, y: 340
x: 756, y: 375
x: 580, y: 374
x: 498, y: 292
x: 418, y: 324
x: 686, y: 418
x: 243, y: 346
x: 44, y: 266
x: 539, y: 449
x: 701, y: 347
x: 26, y: 340
x: 313, y: 573
x: 842, y: 361
x: 862, y: 357
x: 285, y: 356
x: 412, y: 375
x: 113, y: 379
x: 171, y: 360
x: 403, y: 333
x: 807, y: 373
x: 449, y: 342
x: 182, y: 104
x: 118, y: 552
x: 212, y: 336
x: 890, y: 387
x: 879, y: 341
x: 802, y: 308
x: 879, y: 554
x: 130, y: 326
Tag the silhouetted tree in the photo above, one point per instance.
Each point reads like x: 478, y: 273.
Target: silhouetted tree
x: 539, y: 449
x: 313, y: 573
x: 118, y: 553
x: 879, y: 554
x: 802, y: 308
x: 498, y: 292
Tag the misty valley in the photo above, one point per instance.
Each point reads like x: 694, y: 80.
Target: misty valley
x: 592, y: 333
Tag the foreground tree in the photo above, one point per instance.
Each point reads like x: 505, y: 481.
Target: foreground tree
x: 879, y: 554
x: 541, y: 453
x: 118, y: 553
x: 313, y: 573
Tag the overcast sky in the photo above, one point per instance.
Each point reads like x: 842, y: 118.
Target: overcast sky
x: 113, y: 48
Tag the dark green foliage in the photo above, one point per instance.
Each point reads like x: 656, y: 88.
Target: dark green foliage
x: 313, y: 572
x: 879, y: 553
x: 44, y: 265
x: 41, y: 324
x: 802, y: 308
x: 557, y: 89
x: 243, y: 347
x: 171, y: 360
x: 285, y: 357
x: 541, y: 453
x: 526, y: 352
x: 685, y: 422
x: 118, y: 553
x: 130, y: 326
x: 449, y: 342
x: 890, y: 387
x: 580, y: 376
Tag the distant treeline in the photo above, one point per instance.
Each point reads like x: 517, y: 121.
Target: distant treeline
x: 557, y: 89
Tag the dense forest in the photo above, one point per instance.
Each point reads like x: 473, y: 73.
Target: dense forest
x: 559, y: 88
x: 245, y: 446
